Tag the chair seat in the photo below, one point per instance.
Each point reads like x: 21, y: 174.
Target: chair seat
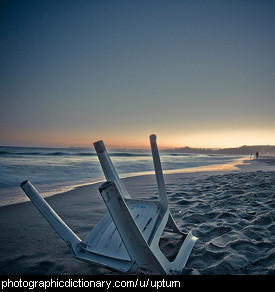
x: 105, y: 239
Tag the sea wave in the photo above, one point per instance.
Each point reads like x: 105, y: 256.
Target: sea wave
x: 36, y: 153
x: 60, y: 153
x: 6, y: 151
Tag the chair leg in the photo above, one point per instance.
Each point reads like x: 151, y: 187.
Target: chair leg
x: 158, y: 171
x: 50, y: 215
x: 108, y: 167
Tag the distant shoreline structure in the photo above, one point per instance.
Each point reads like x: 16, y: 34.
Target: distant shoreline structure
x: 242, y: 150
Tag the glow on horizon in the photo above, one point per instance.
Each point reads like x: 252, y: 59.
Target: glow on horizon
x: 204, y: 139
x: 226, y: 139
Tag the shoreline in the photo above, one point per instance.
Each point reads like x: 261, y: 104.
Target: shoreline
x: 229, y: 166
x: 231, y: 212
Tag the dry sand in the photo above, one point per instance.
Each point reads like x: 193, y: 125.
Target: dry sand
x: 231, y: 212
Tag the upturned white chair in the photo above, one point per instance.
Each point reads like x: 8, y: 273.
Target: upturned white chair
x: 128, y: 236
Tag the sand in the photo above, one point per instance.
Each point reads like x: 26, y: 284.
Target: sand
x: 231, y: 212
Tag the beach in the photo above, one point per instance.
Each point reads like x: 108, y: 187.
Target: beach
x: 232, y: 212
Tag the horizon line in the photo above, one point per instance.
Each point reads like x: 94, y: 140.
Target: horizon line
x: 143, y: 148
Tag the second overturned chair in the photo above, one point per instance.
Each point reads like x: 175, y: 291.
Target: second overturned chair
x: 128, y: 236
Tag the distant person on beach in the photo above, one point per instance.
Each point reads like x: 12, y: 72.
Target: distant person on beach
x: 257, y: 155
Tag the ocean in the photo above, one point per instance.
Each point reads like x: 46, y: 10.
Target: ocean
x: 56, y: 170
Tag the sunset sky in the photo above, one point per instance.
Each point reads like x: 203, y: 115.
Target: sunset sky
x: 197, y: 73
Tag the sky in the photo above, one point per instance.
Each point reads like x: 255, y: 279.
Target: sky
x: 198, y: 73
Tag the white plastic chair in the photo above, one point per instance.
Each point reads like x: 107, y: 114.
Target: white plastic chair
x: 128, y: 236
